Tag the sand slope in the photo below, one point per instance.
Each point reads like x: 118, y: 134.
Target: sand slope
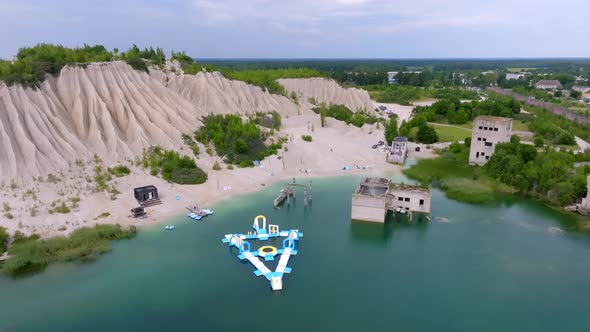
x: 328, y: 91
x: 107, y: 109
x: 217, y: 94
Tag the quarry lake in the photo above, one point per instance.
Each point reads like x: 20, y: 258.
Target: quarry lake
x: 511, y: 266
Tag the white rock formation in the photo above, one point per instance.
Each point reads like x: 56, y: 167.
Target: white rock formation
x: 216, y: 94
x: 328, y: 91
x: 114, y: 111
x: 107, y: 109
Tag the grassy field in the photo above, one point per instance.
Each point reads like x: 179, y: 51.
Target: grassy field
x: 452, y: 173
x: 451, y: 134
x: 519, y: 125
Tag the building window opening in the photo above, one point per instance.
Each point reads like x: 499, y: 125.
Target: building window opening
x: 407, y: 199
x: 421, y: 202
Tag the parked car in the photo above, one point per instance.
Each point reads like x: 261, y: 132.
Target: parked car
x: 374, y: 146
x: 383, y: 108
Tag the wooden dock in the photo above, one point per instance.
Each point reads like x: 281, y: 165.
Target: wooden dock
x: 289, y: 191
x: 283, y: 194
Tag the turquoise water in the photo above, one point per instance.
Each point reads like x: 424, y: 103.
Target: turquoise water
x: 475, y: 268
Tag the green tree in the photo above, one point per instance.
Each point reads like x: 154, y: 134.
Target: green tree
x: 576, y: 94
x: 426, y: 134
x: 390, y: 130
x: 467, y: 142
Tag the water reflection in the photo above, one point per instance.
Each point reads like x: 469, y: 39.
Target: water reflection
x: 380, y: 234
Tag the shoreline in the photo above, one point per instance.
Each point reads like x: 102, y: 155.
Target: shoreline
x: 333, y: 147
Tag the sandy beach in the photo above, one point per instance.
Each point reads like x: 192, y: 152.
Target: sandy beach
x: 333, y: 147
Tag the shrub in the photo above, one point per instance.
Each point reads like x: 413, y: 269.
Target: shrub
x: 306, y: 138
x: 538, y: 141
x: 246, y: 163
x: 235, y: 140
x: 103, y: 215
x: 3, y: 240
x: 343, y: 113
x: 216, y: 166
x: 34, y: 211
x: 59, y: 208
x: 191, y: 143
x: 268, y: 120
x: 84, y: 245
x: 20, y: 237
x: 173, y: 167
x: 33, y: 64
x: 119, y: 171
x: 467, y: 142
x: 137, y: 63
x: 267, y: 78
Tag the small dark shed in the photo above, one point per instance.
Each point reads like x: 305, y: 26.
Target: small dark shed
x: 145, y: 193
x: 138, y: 212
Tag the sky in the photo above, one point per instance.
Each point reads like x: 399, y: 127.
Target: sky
x: 306, y: 28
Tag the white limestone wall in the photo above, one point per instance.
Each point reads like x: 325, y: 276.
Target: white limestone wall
x: 368, y: 208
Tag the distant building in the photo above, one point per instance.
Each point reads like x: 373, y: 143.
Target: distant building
x: 487, y: 132
x: 514, y: 76
x: 548, y: 85
x: 391, y: 77
x: 399, y: 150
x: 586, y: 98
x: 582, y: 89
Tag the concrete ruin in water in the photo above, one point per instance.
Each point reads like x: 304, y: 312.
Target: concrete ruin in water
x: 374, y: 197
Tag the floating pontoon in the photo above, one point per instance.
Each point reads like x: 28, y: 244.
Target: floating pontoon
x: 268, y: 253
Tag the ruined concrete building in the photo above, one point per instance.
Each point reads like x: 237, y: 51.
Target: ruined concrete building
x: 374, y: 197
x: 487, y: 132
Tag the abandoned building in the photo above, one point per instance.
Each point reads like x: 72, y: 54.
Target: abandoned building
x: 548, y: 85
x: 487, y: 132
x: 399, y: 150
x: 147, y: 196
x: 374, y: 197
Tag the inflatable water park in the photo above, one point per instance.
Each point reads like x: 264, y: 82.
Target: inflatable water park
x: 243, y: 242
